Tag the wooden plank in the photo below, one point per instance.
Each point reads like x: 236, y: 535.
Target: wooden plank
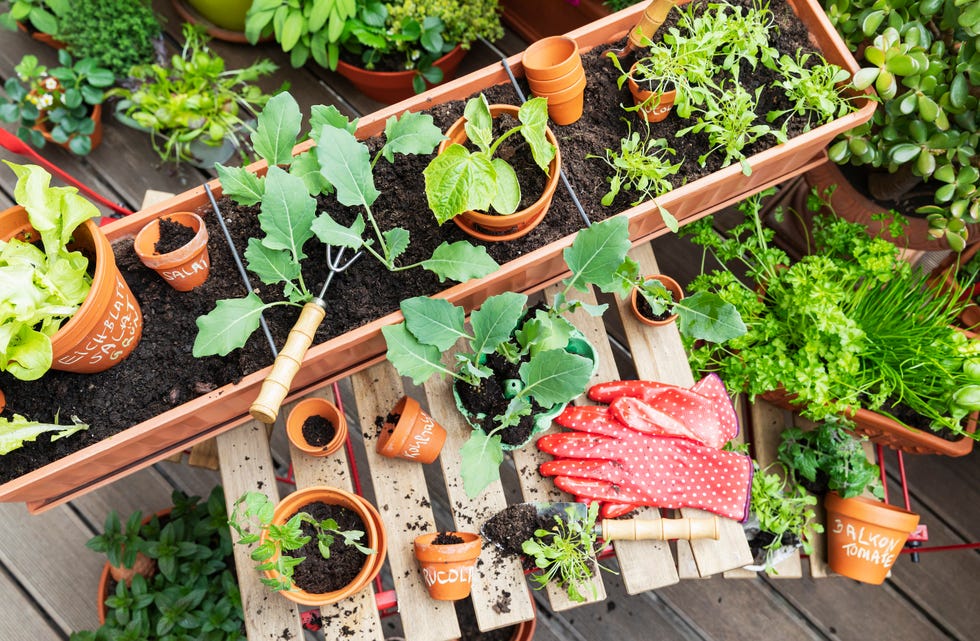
x: 402, y: 499
x: 20, y: 620
x: 356, y: 616
x: 664, y: 360
x: 740, y: 410
x: 246, y: 466
x: 498, y: 579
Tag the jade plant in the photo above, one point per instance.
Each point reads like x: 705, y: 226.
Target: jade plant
x: 343, y: 166
x: 459, y: 179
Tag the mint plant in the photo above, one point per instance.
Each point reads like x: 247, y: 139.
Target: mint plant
x: 339, y: 164
x: 458, y: 179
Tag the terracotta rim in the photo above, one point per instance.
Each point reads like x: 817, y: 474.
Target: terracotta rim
x: 316, y: 407
x: 96, y: 117
x: 193, y: 256
x: 469, y: 549
x: 672, y: 286
x: 393, y: 86
x: 565, y: 81
x: 394, y: 441
x: 447, y: 569
x: 864, y: 536
x: 653, y: 113
x: 551, y: 58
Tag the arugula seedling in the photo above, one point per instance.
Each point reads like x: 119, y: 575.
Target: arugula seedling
x: 815, y: 90
x: 640, y: 166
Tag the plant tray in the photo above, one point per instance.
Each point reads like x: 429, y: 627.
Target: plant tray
x: 226, y: 407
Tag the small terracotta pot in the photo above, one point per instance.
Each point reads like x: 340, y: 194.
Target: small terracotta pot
x: 565, y: 105
x: 184, y: 268
x: 654, y: 110
x: 415, y: 437
x: 42, y: 37
x: 316, y: 407
x: 865, y: 536
x: 550, y: 58
x: 494, y: 228
x: 448, y: 569
x: 95, y: 136
x: 376, y: 539
x: 394, y: 86
x: 672, y: 286
x: 108, y: 325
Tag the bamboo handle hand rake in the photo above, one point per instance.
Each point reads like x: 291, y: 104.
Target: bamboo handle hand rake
x: 653, y: 16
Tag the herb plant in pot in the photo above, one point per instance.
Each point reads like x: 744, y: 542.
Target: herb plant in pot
x: 40, y: 18
x: 447, y: 560
x: 316, y: 427
x: 781, y: 519
x: 319, y: 545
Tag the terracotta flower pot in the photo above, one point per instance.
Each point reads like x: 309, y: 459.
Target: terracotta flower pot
x: 654, y: 109
x: 672, y: 286
x: 496, y: 228
x: 184, y: 268
x: 565, y: 105
x: 390, y: 87
x: 376, y: 539
x: 95, y: 137
x: 448, y: 569
x: 143, y: 565
x: 551, y: 58
x: 865, y: 536
x: 221, y: 19
x: 415, y: 437
x: 316, y: 407
x: 42, y: 37
x: 108, y: 325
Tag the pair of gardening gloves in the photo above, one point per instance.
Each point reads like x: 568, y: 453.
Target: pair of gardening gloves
x: 653, y: 444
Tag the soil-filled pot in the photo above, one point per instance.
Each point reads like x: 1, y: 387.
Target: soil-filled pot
x: 447, y: 560
x: 865, y: 536
x: 221, y: 19
x: 185, y: 267
x: 317, y: 427
x: 390, y: 87
x: 108, y: 325
x: 374, y: 531
x: 95, y: 137
x: 497, y: 228
x: 637, y: 303
x: 413, y: 435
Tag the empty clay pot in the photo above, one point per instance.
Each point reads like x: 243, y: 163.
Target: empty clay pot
x: 316, y: 407
x: 865, y: 536
x: 415, y: 437
x: 672, y: 286
x: 184, y: 268
x: 448, y: 569
x: 551, y: 58
x: 554, y: 71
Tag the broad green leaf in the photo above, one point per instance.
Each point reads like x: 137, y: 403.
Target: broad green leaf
x: 460, y: 261
x: 241, y: 185
x: 319, y: 13
x: 410, y: 357
x: 346, y: 164
x: 330, y: 232
x: 544, y: 332
x: 508, y: 193
x: 555, y: 376
x: 287, y: 213
x: 55, y: 212
x: 865, y: 77
x: 329, y: 115
x: 411, y: 134
x: 495, y: 320
x: 396, y: 240
x: 27, y: 355
x: 596, y: 254
x: 533, y: 114
x: 479, y: 123
x: 902, y: 65
x: 457, y: 180
x: 292, y: 28
x: 307, y: 168
x: 707, y: 316
x: 277, y: 129
x: 228, y: 325
x: 18, y: 430
x: 270, y: 265
x: 434, y: 321
x: 900, y: 154
x: 480, y: 459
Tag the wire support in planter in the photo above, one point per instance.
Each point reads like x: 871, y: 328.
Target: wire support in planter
x: 239, y: 265
x: 523, y: 99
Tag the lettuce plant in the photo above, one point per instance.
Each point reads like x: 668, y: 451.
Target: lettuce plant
x: 43, y: 286
x: 16, y: 431
x: 339, y: 164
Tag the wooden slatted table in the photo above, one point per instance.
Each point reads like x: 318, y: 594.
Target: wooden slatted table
x: 500, y: 595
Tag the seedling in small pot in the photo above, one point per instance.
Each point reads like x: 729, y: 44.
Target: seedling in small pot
x: 829, y: 458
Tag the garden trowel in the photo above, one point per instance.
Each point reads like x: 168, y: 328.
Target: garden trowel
x: 653, y: 16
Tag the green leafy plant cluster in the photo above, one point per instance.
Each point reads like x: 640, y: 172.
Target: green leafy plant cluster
x: 459, y: 179
x: 922, y: 59
x: 785, y: 511
x: 641, y: 165
x: 194, y: 593
x: 195, y: 100
x: 59, y: 100
x: 117, y: 33
x: 338, y: 164
x: 42, y: 15
x: 829, y: 458
x: 564, y: 552
x: 48, y: 283
x: 253, y: 515
x: 851, y: 325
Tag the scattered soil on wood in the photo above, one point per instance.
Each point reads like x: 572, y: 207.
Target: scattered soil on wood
x: 173, y: 236
x: 317, y: 574
x: 318, y: 431
x: 447, y: 538
x: 161, y: 373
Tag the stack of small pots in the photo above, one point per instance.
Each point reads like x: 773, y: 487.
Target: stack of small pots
x: 553, y: 67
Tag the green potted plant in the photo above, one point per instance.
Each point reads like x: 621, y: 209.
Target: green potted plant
x: 61, y: 105
x: 781, y: 519
x: 828, y: 458
x: 117, y: 33
x: 41, y: 18
x: 195, y: 109
x: 920, y: 59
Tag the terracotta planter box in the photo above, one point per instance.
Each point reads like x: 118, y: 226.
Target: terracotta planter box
x: 536, y: 19
x: 225, y: 407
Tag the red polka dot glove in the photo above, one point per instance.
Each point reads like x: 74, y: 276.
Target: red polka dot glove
x: 654, y: 445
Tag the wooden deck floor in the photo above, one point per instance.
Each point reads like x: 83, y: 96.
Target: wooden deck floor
x: 48, y: 577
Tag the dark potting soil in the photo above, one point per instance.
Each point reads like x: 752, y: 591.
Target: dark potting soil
x: 318, y: 431
x: 161, y: 373
x: 488, y: 399
x: 469, y: 629
x: 173, y: 236
x: 647, y: 311
x: 447, y: 538
x: 509, y: 528
x: 317, y: 574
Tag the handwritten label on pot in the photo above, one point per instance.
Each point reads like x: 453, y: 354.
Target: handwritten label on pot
x: 112, y: 339
x: 186, y: 271
x: 414, y: 448
x: 867, y: 545
x: 452, y: 575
